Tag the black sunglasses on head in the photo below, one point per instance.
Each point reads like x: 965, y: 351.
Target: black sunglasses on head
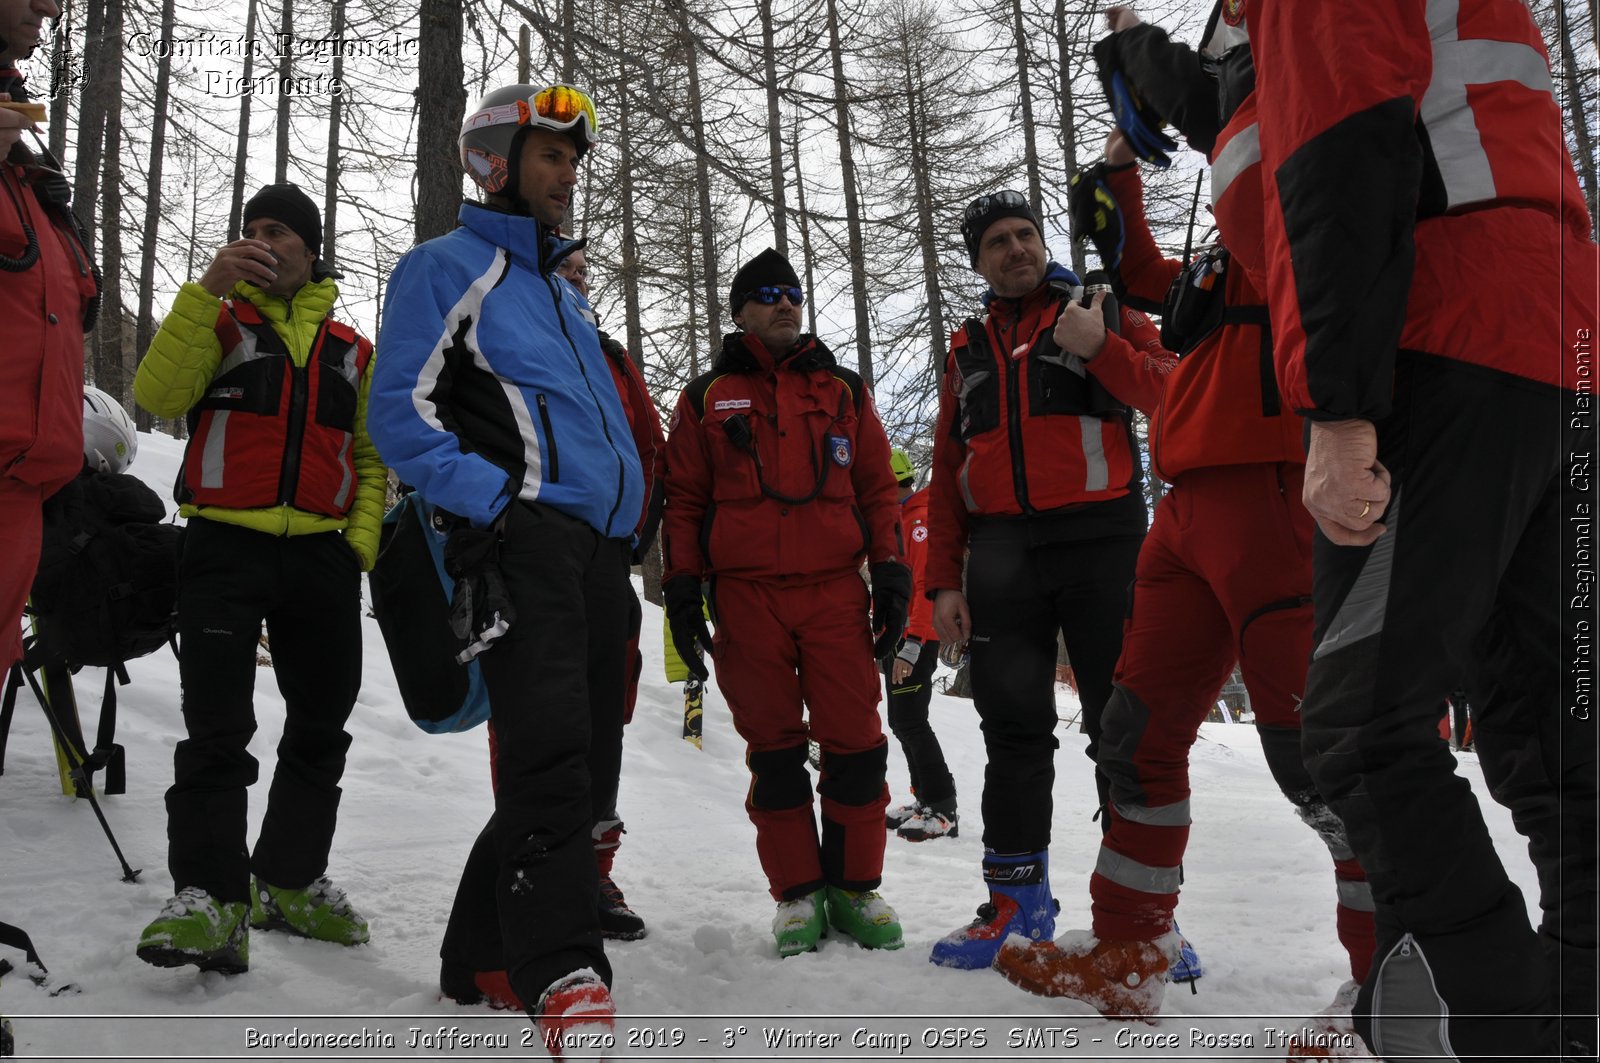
x: 984, y: 204
x: 771, y: 293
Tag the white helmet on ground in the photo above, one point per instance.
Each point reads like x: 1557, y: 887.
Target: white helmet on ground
x: 110, y: 441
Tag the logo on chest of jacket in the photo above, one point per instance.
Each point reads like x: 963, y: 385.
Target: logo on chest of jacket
x: 919, y: 533
x: 1233, y: 12
x: 731, y: 404
x: 840, y: 445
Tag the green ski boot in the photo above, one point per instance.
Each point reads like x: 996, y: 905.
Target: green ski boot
x: 799, y: 924
x: 866, y: 917
x: 196, y: 928
x: 320, y: 911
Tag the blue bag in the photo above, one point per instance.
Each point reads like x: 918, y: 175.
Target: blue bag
x: 411, y: 599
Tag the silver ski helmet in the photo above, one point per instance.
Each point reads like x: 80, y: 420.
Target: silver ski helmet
x: 110, y: 442
x: 492, y: 134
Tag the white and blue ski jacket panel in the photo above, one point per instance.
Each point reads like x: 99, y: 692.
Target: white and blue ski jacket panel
x: 492, y: 385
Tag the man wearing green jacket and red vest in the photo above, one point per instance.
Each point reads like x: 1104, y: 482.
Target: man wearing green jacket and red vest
x: 284, y: 495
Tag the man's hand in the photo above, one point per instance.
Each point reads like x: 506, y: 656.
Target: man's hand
x: 904, y: 661
x: 12, y: 123
x: 891, y: 600
x: 1121, y: 17
x: 951, y: 621
x: 1081, y: 330
x: 1347, y: 488
x: 242, y: 260
x: 686, y: 620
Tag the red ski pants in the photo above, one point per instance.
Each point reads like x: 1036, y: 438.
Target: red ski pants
x: 781, y: 652
x: 1224, y: 576
x: 20, y: 531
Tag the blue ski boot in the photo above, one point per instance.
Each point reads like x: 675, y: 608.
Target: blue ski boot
x: 1188, y: 968
x: 1019, y: 903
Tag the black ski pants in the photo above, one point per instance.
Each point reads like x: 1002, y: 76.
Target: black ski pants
x: 908, y: 719
x: 1020, y: 594
x: 1466, y: 581
x: 529, y: 895
x: 307, y: 588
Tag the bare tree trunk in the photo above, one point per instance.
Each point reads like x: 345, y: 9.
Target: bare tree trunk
x: 1580, y: 124
x: 194, y: 209
x: 145, y: 324
x: 1030, y: 147
x: 1069, y: 119
x: 241, y: 148
x: 442, y: 96
x: 852, y: 196
x: 805, y: 232
x: 917, y: 109
x: 702, y: 180
x: 98, y: 87
x: 330, y: 192
x: 113, y: 362
x: 769, y: 57
x: 630, y: 235
x: 569, y: 58
x: 61, y: 83
x: 693, y: 285
x: 651, y: 570
x: 280, y: 172
x: 524, y: 55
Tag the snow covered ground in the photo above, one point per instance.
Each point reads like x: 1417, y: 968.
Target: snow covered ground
x: 707, y: 983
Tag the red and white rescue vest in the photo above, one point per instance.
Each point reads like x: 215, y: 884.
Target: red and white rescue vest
x: 269, y: 432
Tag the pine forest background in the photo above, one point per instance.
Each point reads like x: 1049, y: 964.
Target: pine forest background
x: 848, y: 134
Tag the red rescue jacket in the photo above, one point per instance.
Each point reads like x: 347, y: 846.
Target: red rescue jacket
x: 269, y: 432
x: 1221, y: 404
x: 42, y: 306
x: 753, y: 429
x: 651, y: 442
x: 1423, y: 200
x: 914, y: 520
x: 1024, y: 431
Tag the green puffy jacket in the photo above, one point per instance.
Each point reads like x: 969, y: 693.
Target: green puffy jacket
x: 181, y: 362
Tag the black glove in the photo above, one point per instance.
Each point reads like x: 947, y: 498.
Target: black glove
x: 891, y: 596
x: 1096, y: 215
x: 1138, y: 120
x: 480, y: 607
x: 687, y: 623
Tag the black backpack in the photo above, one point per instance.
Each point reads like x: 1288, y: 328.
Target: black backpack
x: 107, y: 584
x: 105, y: 593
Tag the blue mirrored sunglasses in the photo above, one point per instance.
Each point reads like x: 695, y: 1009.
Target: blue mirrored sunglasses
x: 769, y: 295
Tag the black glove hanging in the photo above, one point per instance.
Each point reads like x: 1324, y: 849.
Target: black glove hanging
x: 480, y: 608
x: 687, y: 622
x: 1095, y: 213
x: 891, y: 597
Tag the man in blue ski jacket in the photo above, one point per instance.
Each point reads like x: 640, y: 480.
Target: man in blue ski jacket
x: 495, y: 403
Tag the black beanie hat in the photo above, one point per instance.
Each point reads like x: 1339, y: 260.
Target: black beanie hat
x: 986, y: 210
x: 288, y: 204
x: 768, y: 267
